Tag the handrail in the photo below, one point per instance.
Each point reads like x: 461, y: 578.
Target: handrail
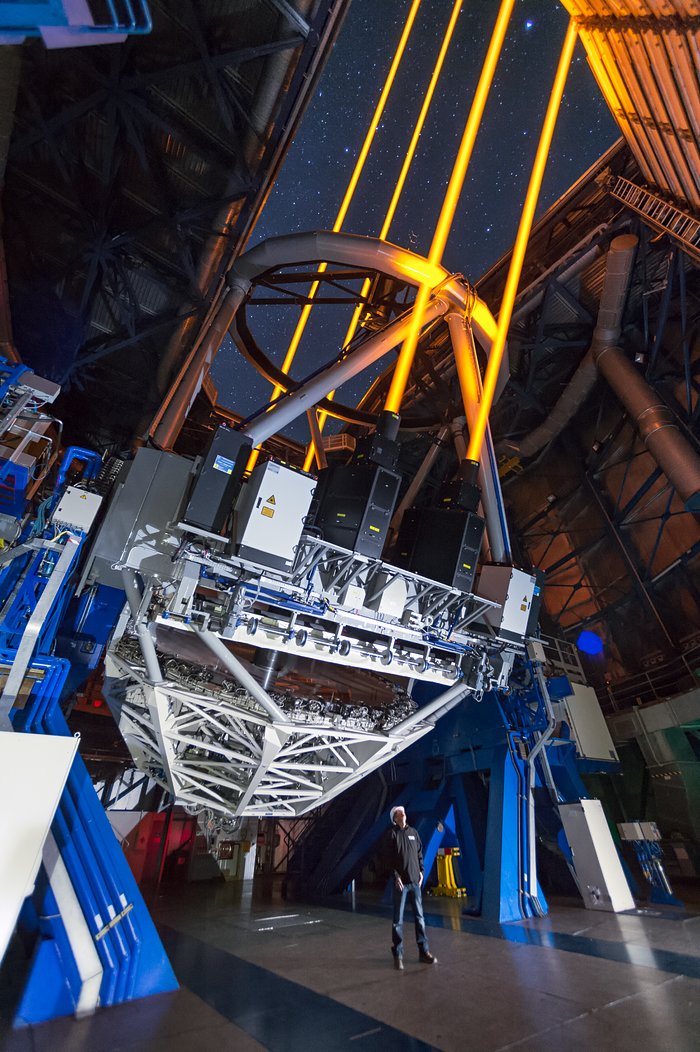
x: 679, y: 674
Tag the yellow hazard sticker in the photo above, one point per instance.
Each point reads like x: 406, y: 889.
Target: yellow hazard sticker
x: 267, y: 512
x: 271, y: 500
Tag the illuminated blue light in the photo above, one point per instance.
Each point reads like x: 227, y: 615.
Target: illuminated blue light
x: 589, y: 643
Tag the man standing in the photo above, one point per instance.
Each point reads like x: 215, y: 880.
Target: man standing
x: 405, y: 857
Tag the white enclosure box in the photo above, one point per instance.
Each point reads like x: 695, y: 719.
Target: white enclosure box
x: 514, y: 591
x: 639, y: 831
x: 535, y: 651
x: 598, y: 869
x: 33, y: 772
x: 77, y: 508
x: 270, y: 514
x: 582, y: 712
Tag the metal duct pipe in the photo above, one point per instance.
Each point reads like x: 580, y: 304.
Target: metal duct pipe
x: 240, y: 673
x: 267, y: 667
x: 618, y: 272
x: 655, y: 423
x: 432, y: 712
x: 457, y: 427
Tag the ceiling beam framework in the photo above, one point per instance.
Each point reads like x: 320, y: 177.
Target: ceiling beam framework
x: 124, y: 161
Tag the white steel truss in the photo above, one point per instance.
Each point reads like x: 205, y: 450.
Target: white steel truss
x: 221, y: 751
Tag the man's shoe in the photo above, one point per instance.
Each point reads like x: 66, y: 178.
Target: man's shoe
x: 427, y: 958
x: 398, y: 964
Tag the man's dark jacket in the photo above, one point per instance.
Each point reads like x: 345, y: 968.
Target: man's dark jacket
x: 404, y: 854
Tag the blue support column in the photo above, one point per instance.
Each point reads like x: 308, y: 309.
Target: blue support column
x: 471, y: 859
x: 502, y: 899
x: 431, y: 829
x: 131, y: 954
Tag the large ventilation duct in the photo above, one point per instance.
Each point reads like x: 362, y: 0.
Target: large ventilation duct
x: 654, y: 421
x: 612, y: 301
x: 651, y: 416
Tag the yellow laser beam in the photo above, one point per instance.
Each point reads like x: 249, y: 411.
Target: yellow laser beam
x: 398, y: 190
x: 410, y: 153
x: 449, y: 206
x: 476, y: 437
x: 352, y: 185
x: 252, y: 459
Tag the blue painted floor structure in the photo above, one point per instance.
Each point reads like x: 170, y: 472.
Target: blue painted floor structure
x: 260, y: 973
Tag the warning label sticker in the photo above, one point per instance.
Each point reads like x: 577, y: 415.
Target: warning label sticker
x: 267, y: 512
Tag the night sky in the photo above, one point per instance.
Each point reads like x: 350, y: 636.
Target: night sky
x: 318, y: 166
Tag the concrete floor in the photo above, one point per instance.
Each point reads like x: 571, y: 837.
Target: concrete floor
x: 258, y: 973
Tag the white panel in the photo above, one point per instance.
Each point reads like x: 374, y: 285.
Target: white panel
x: 650, y: 831
x: 87, y: 959
x: 514, y: 590
x: 272, y: 510
x: 639, y: 831
x: 588, y: 724
x: 599, y: 873
x: 77, y: 508
x: 630, y: 830
x: 33, y: 772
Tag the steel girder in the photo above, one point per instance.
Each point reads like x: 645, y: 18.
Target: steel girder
x: 135, y: 175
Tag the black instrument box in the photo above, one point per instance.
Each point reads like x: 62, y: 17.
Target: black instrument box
x: 218, y: 481
x: 354, y: 505
x: 442, y: 544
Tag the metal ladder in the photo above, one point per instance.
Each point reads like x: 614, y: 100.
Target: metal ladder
x: 663, y: 216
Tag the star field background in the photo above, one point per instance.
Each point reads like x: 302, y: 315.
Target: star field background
x: 318, y: 166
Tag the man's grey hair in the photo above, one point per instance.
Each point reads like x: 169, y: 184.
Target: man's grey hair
x: 399, y: 807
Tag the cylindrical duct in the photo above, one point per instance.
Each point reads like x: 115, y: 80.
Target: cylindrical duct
x: 618, y: 272
x: 654, y: 421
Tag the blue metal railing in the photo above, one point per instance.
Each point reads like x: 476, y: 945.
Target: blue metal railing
x: 122, y: 16
x: 65, y: 22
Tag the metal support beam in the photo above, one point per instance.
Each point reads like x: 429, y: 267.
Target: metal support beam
x: 629, y: 561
